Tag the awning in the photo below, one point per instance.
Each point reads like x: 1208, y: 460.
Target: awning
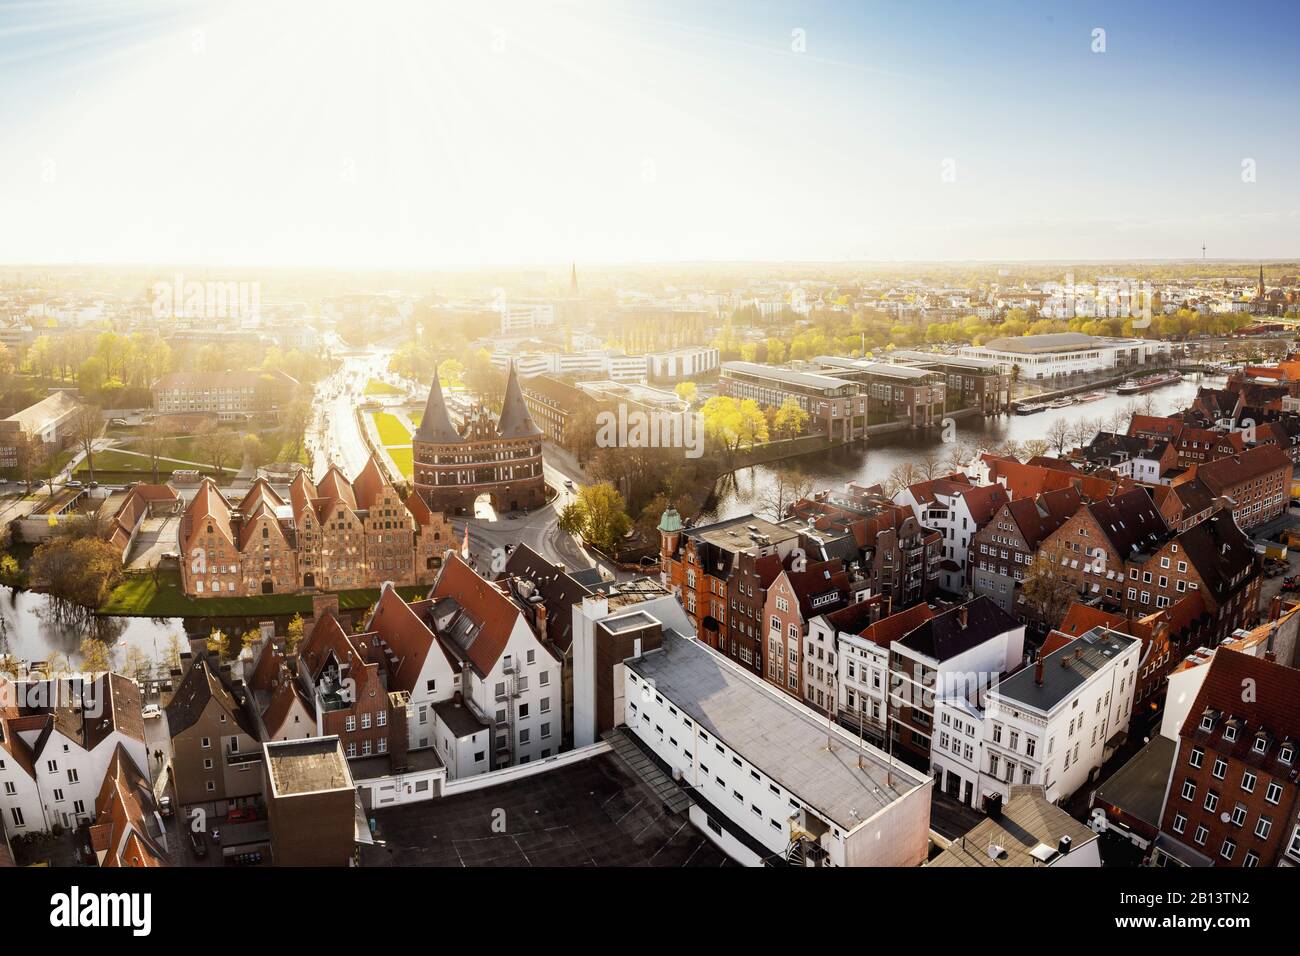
x: 1184, y: 854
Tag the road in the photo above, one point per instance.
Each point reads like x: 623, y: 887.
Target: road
x: 335, y: 436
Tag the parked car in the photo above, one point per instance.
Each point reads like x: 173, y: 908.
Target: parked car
x: 198, y: 845
x: 165, y: 808
x: 242, y: 815
x: 170, y: 555
x: 73, y: 484
x: 150, y: 711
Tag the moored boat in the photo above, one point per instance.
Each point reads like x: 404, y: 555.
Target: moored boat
x: 1147, y: 382
x: 1028, y: 408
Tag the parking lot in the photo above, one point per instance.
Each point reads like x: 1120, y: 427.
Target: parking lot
x: 593, y: 813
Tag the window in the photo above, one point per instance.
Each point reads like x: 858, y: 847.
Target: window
x: 1273, y: 793
x: 1220, y: 768
x: 1263, y: 827
x: 1189, y: 790
x: 1229, y: 848
x: 1211, y: 800
x: 1197, y: 757
x: 1248, y: 781
x: 17, y: 816
x: 1180, y: 823
x: 1201, y: 836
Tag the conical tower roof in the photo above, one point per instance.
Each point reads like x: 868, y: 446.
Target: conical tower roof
x: 436, y: 426
x: 515, y: 421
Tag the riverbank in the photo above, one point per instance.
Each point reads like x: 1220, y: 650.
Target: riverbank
x: 146, y: 595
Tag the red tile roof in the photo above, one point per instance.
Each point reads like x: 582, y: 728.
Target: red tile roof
x: 493, y: 614
x: 895, y: 627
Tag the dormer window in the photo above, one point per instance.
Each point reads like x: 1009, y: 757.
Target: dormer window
x: 1261, y: 743
x: 1286, y: 754
x: 1229, y: 732
x: 1207, y: 720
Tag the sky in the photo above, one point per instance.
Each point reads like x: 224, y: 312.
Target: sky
x: 415, y: 133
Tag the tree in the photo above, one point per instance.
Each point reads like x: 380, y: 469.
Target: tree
x: 686, y: 391
x: 96, y: 657
x: 30, y: 455
x: 1060, y: 433
x: 788, y: 486
x: 451, y: 372
x: 1036, y: 447
x: 250, y: 637
x: 173, y: 652
x: 1047, y: 589
x: 87, y: 424
x: 215, y: 446
x: 219, y: 643
x: 91, y: 375
x: 598, y: 515
x: 153, y: 441
x: 294, y: 634
x: 138, y: 666
x: 903, y: 475
x: 254, y: 451
x: 790, y: 420
x: 10, y: 572
x: 79, y: 573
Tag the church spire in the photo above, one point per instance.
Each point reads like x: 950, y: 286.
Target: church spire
x: 515, y: 422
x: 573, y: 278
x: 435, y: 426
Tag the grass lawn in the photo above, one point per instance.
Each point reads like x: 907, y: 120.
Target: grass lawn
x: 416, y: 418
x: 376, y: 387
x: 116, y: 463
x: 391, y: 430
x: 402, y: 459
x: 139, y: 596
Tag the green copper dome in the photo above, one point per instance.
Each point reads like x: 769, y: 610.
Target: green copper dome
x: 670, y: 521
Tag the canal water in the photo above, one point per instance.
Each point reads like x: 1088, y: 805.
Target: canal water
x: 870, y: 462
x: 29, y: 631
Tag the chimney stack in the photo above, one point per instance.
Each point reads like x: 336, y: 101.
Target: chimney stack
x: 962, y: 617
x: 1064, y: 845
x: 1038, y: 669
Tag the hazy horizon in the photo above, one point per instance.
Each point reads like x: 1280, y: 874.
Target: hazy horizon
x: 406, y: 136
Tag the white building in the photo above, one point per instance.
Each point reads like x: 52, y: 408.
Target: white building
x: 509, y: 678
x: 1051, y: 724
x: 684, y: 363
x: 522, y: 316
x: 56, y: 748
x: 611, y: 627
x: 1068, y: 353
x: 613, y: 366
x: 956, y: 509
x: 768, y: 777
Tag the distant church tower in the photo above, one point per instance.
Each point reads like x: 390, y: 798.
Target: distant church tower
x: 573, y: 279
x: 1261, y: 281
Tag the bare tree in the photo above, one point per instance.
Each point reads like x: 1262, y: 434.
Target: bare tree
x: 788, y: 486
x: 87, y: 425
x: 1036, y: 448
x: 216, y: 445
x: 901, y: 476
x: 1048, y: 589
x: 153, y: 441
x: 1059, y: 434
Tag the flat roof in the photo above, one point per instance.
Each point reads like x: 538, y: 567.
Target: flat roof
x: 1063, y: 671
x: 780, y: 738
x: 1138, y: 787
x: 310, y: 765
x: 460, y: 720
x: 874, y: 368
x: 808, y: 379
x: 734, y: 533
x: 1053, y: 342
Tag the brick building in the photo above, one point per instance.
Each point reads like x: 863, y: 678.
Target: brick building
x: 1232, y: 794
x: 1002, y: 551
x: 1258, y: 481
x: 499, y: 457
x: 334, y: 535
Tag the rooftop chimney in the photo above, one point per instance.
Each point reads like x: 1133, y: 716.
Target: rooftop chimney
x: 1064, y: 845
x: 1038, y: 669
x: 962, y: 617
x: 993, y: 805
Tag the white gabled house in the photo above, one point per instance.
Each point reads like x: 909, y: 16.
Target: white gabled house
x: 57, y: 739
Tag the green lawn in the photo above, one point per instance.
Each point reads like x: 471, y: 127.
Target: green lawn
x: 416, y: 418
x: 117, y: 463
x: 139, y: 596
x: 376, y: 387
x: 402, y: 459
x: 390, y: 428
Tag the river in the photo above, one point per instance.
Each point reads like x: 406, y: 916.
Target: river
x: 29, y: 631
x: 872, y: 461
